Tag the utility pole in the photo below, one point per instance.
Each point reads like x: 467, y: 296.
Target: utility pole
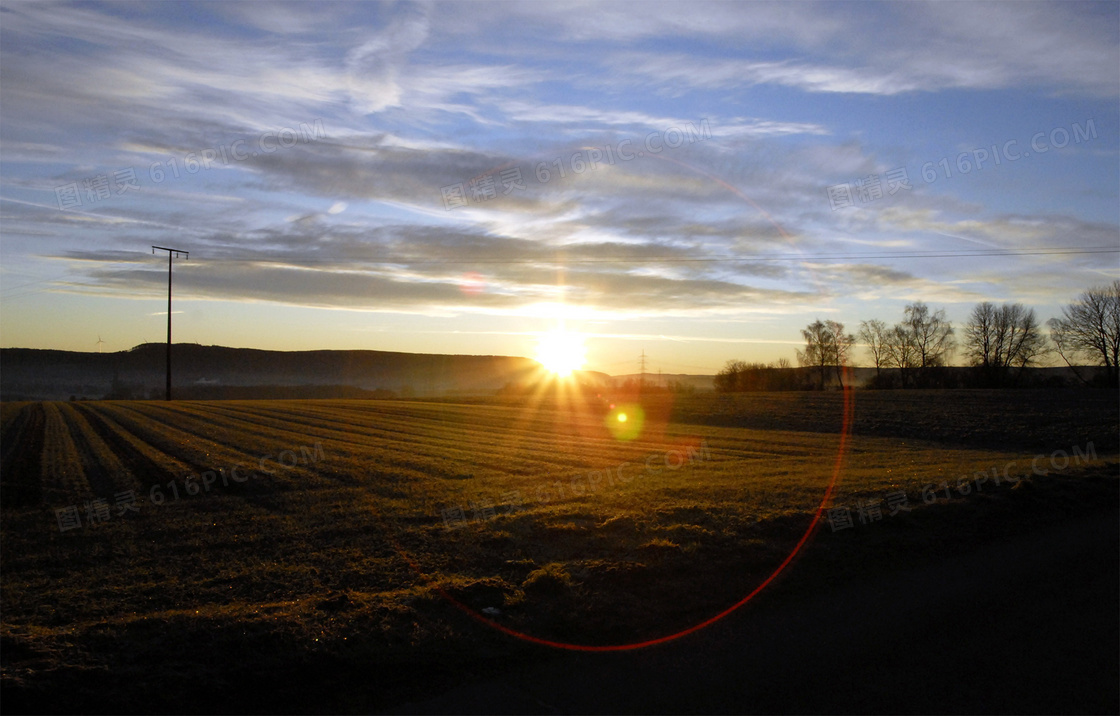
x: 170, y: 254
x: 642, y: 379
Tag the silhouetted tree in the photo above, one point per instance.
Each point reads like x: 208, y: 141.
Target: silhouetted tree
x: 737, y: 376
x: 826, y: 346
x: 727, y: 379
x: 875, y: 335
x: 901, y: 353
x: 999, y: 338
x: 1089, y: 329
x: 932, y: 335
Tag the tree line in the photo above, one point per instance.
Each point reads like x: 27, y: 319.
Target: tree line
x: 999, y: 343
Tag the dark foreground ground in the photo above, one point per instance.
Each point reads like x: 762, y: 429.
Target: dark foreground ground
x: 1028, y: 624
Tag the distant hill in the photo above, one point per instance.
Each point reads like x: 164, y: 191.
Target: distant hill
x: 203, y: 372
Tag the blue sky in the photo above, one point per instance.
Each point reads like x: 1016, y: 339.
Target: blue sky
x: 373, y: 175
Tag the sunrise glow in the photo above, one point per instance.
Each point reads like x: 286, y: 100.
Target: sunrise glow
x: 561, y: 352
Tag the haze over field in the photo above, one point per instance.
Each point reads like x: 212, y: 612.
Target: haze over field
x: 697, y: 181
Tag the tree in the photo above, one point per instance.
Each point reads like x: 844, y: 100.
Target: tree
x: 826, y: 346
x: 875, y: 335
x: 737, y: 376
x: 932, y: 335
x: 916, y: 345
x: 901, y: 352
x: 1089, y: 329
x: 727, y: 380
x: 999, y: 338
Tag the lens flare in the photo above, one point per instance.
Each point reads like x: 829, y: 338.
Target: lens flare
x: 626, y: 422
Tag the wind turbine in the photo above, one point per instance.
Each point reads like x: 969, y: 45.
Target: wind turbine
x: 99, y: 342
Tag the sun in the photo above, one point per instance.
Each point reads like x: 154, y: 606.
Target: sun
x: 561, y: 352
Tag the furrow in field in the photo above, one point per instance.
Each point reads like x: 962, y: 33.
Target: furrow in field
x: 453, y: 447
x: 405, y: 438
x: 345, y: 448
x: 146, y: 465
x: 197, y: 453
x: 371, y: 456
x: 246, y: 436
x: 9, y: 412
x: 105, y: 472
x: 153, y: 466
x: 317, y: 417
x: 328, y: 418
x: 741, y: 444
x: 540, y: 453
x: 174, y: 429
x: 21, y: 457
x: 267, y: 431
x: 360, y: 438
x: 469, y: 440
x: 754, y: 454
x: 63, y: 478
x: 514, y: 426
x: 252, y: 422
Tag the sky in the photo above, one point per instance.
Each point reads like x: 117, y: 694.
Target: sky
x: 695, y: 181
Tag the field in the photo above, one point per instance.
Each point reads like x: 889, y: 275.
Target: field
x: 337, y: 556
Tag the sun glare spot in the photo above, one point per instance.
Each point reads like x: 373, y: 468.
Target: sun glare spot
x: 561, y: 352
x: 626, y: 421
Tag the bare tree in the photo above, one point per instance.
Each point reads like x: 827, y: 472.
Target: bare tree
x: 980, y: 335
x: 999, y: 338
x: 875, y: 335
x: 1089, y: 329
x: 727, y: 380
x: 826, y: 346
x: 816, y: 353
x: 843, y: 343
x: 932, y: 333
x: 738, y: 376
x: 1024, y: 342
x: 901, y: 353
